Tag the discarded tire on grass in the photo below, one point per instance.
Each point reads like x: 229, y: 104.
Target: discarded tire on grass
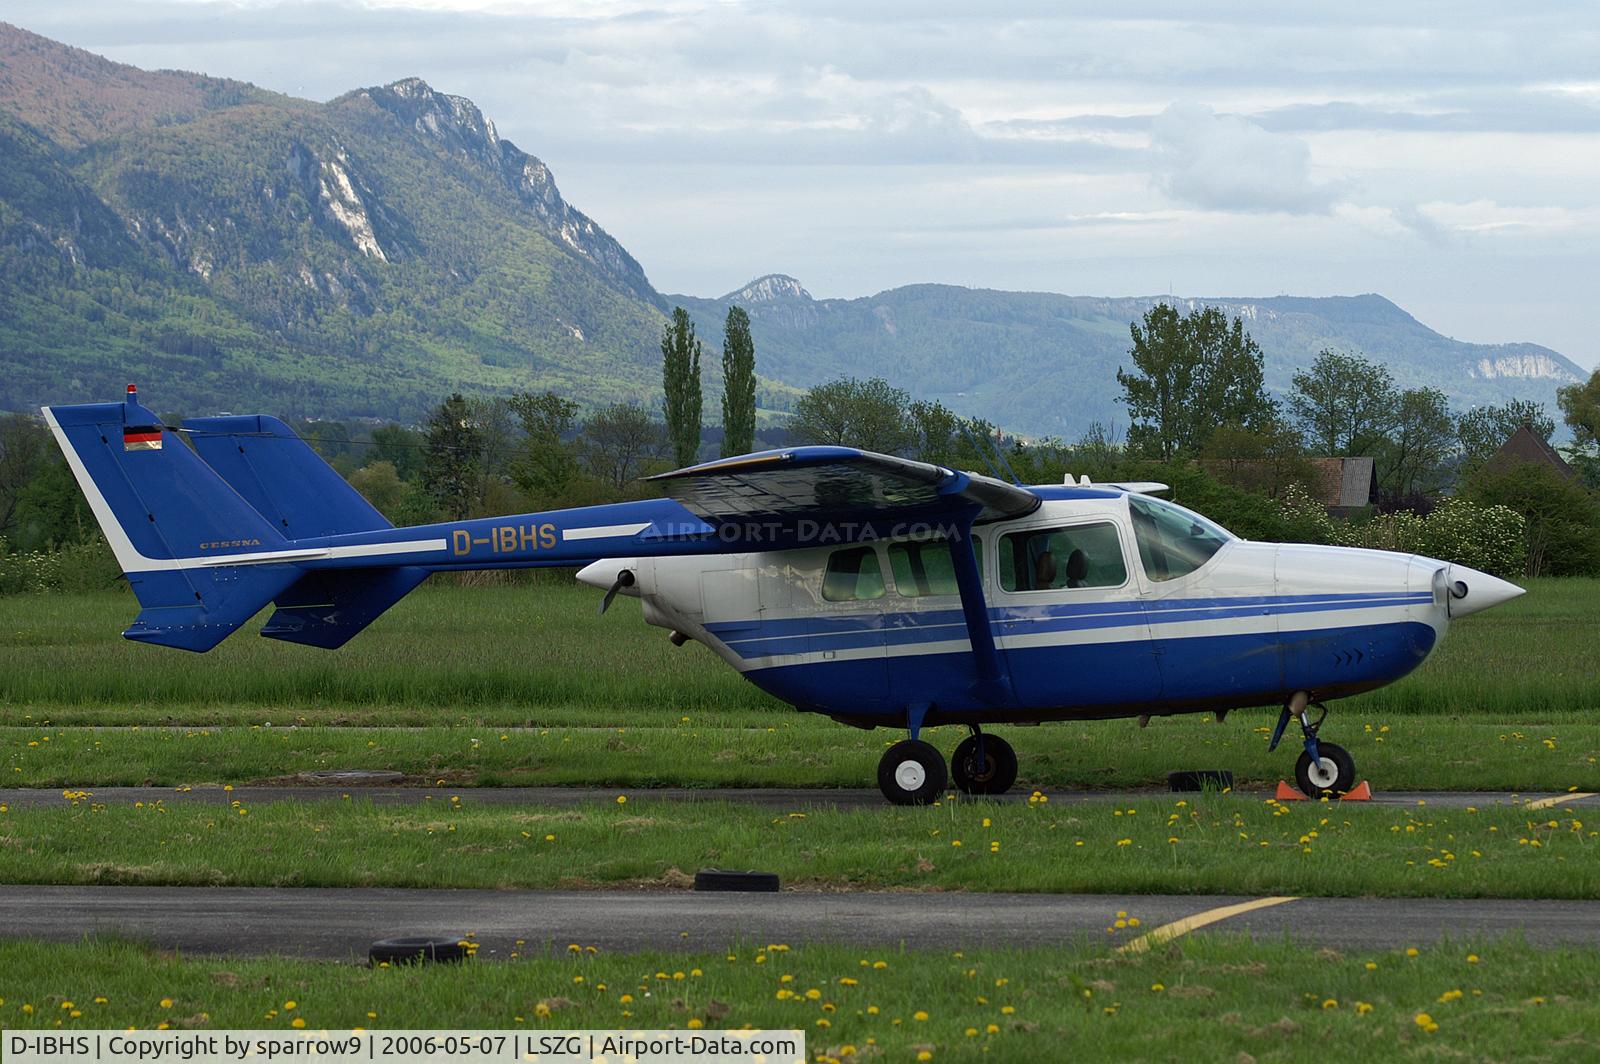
x: 420, y: 949
x: 753, y: 882
x: 1200, y: 780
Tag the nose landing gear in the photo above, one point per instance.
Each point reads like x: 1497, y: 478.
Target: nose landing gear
x: 1324, y: 770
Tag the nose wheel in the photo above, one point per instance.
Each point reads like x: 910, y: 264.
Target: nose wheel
x: 1324, y: 770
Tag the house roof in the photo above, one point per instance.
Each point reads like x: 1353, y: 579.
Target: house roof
x: 1525, y: 445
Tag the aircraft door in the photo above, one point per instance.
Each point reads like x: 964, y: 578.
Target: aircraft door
x: 1072, y: 624
x: 845, y: 628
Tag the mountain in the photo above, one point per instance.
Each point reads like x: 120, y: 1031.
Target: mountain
x: 239, y: 249
x: 1046, y: 364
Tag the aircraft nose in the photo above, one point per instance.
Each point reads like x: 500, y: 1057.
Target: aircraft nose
x: 1471, y: 591
x: 603, y: 573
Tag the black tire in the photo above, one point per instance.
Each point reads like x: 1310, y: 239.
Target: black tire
x: 751, y: 882
x: 912, y: 773
x: 1336, y: 774
x: 1216, y: 779
x: 994, y: 776
x: 424, y: 949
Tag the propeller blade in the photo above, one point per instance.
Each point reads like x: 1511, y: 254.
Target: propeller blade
x: 624, y: 579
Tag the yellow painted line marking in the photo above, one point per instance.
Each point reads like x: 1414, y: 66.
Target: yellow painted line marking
x: 1168, y: 932
x: 1546, y: 803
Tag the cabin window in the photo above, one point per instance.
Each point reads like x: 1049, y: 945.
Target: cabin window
x: 1173, y: 542
x: 853, y: 573
x: 924, y: 567
x: 1047, y: 559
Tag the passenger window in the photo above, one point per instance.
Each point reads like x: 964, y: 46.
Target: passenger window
x: 1078, y: 556
x: 1173, y: 542
x: 853, y: 573
x: 924, y: 567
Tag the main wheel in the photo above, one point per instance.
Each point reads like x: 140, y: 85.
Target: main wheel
x: 912, y: 773
x: 994, y: 775
x: 1333, y: 774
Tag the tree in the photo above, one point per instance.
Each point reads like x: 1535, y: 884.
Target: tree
x: 1483, y: 430
x: 848, y: 412
x: 1421, y: 439
x: 22, y: 445
x: 400, y: 447
x: 1191, y: 373
x: 1344, y: 404
x: 680, y: 378
x: 380, y: 484
x: 545, y: 462
x: 1580, y: 408
x: 618, y: 442
x: 738, y: 384
x: 1563, y: 518
x: 936, y: 432
x: 497, y: 432
x: 1265, y: 460
x: 451, y: 449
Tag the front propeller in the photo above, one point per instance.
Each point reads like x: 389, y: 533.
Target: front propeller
x: 624, y: 579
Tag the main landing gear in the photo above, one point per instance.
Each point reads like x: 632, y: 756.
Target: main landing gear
x: 1324, y: 770
x: 912, y: 772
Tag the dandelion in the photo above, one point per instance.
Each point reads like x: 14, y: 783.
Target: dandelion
x: 1157, y: 987
x: 695, y: 1024
x: 919, y: 1016
x: 1411, y: 951
x: 1330, y: 1003
x: 924, y: 1055
x: 166, y: 1003
x: 299, y: 1021
x: 1472, y: 958
x: 1423, y: 1020
x: 622, y: 799
x: 1362, y: 1008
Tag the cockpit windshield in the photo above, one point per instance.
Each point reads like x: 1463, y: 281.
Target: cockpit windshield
x: 1173, y: 542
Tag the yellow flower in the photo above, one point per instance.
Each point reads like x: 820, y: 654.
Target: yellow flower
x: 1362, y: 1008
x: 1330, y: 1003
x: 1423, y: 1020
x: 1157, y: 987
x: 919, y: 1016
x: 166, y: 1003
x: 1372, y: 966
x: 299, y: 1021
x: 1006, y: 1010
x: 992, y: 1029
x: 622, y: 799
x: 288, y: 1006
x: 924, y: 1055
x: 695, y: 1024
x: 1411, y: 951
x: 1472, y: 958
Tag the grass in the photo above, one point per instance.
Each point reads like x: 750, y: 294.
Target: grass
x: 1397, y: 753
x: 1195, y: 844
x: 538, y: 654
x: 1204, y: 998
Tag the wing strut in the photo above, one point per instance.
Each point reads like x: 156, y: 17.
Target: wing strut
x: 991, y: 685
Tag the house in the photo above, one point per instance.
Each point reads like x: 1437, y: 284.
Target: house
x: 1525, y: 446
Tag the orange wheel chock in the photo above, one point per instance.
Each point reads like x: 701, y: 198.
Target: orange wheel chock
x: 1361, y: 792
x: 1287, y: 793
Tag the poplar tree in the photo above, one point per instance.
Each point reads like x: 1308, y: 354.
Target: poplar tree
x: 680, y: 379
x: 738, y: 384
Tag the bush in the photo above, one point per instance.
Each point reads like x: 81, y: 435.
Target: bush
x: 85, y: 566
x: 1561, y: 517
x: 1490, y: 538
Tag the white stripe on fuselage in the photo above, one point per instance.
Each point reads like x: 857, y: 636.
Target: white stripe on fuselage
x: 604, y: 531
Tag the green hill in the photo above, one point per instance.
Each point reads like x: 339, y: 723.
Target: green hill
x: 1046, y: 364
x: 238, y: 249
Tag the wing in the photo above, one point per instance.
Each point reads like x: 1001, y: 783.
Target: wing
x: 839, y: 485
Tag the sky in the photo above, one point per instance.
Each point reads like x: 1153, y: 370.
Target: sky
x: 1445, y: 155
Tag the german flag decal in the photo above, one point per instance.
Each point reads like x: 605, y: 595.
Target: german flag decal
x: 141, y: 438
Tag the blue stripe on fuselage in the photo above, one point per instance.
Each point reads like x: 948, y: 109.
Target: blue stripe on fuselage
x: 799, y: 635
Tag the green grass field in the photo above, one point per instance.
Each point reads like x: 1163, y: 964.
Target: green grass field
x: 1183, y: 844
x: 1509, y: 701
x: 538, y: 654
x: 1204, y: 999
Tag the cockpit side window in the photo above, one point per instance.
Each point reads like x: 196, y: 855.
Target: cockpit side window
x: 853, y: 573
x: 924, y: 567
x: 1173, y: 542
x: 1076, y: 556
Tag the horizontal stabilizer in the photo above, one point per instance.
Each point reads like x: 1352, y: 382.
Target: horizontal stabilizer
x: 195, y: 609
x: 324, y: 609
x: 279, y: 474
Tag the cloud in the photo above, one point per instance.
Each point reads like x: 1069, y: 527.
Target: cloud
x: 1226, y: 162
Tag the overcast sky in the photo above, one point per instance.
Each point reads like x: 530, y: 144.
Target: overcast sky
x: 1446, y: 155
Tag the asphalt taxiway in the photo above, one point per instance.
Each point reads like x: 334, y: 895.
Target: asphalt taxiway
x: 342, y: 923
